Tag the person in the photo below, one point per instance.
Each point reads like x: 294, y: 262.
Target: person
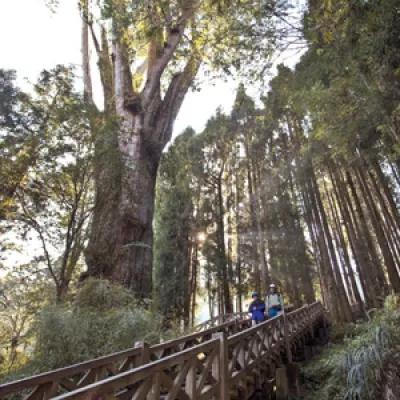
x: 257, y: 309
x: 274, y: 302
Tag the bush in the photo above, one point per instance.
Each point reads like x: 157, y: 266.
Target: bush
x: 104, y: 318
x: 65, y: 337
x: 102, y: 295
x: 363, y: 363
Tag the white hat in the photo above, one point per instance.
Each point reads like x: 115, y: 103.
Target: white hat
x: 272, y: 285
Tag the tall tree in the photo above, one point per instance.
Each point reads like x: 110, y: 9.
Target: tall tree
x: 167, y: 42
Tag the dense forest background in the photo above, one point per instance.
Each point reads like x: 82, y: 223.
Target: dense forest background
x: 303, y: 191
x: 299, y: 188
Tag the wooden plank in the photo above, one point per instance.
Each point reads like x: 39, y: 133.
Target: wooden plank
x: 191, y: 380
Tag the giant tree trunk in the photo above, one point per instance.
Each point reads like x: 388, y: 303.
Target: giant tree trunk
x: 120, y: 247
x: 127, y: 156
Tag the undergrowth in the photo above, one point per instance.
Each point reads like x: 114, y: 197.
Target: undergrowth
x: 102, y: 319
x: 362, y: 361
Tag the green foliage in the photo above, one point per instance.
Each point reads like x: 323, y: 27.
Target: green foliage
x: 174, y: 231
x: 103, y: 319
x: 47, y: 145
x: 22, y: 297
x: 366, y: 358
x: 102, y: 295
x: 66, y: 337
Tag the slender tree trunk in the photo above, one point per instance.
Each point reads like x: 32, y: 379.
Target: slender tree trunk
x: 386, y: 253
x: 254, y: 261
x: 229, y: 204
x: 264, y: 266
x: 344, y: 303
x: 238, y: 247
x: 221, y: 249
x: 389, y: 211
x: 359, y: 250
x: 327, y: 278
x: 348, y: 274
x: 193, y: 288
x: 364, y: 231
x: 389, y: 193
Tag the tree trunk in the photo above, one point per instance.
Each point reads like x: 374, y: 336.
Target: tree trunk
x: 342, y: 249
x: 253, y: 233
x: 261, y: 239
x: 87, y: 79
x: 121, y: 239
x: 221, y: 248
x: 238, y: 247
x: 380, y: 235
x: 193, y: 288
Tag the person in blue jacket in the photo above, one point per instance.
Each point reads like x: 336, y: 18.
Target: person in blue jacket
x: 257, y: 309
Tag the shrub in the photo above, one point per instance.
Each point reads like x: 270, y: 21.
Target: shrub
x: 363, y: 363
x: 104, y: 318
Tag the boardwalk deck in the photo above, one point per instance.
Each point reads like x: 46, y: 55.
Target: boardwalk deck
x: 228, y: 360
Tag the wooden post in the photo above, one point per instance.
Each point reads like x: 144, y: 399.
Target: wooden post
x: 310, y: 322
x: 293, y: 377
x: 236, y: 328
x: 144, y: 354
x: 220, y: 367
x: 287, y: 340
x: 282, y: 387
x: 321, y: 334
x: 308, y: 352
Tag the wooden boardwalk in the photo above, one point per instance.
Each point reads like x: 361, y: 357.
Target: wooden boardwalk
x: 225, y: 361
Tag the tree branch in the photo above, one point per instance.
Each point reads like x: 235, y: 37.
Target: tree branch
x: 174, y: 36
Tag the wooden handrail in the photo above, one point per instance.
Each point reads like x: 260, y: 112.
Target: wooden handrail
x: 64, y: 375
x: 220, y: 319
x: 79, y: 375
x: 240, y: 347
x: 152, y: 377
x: 214, y: 368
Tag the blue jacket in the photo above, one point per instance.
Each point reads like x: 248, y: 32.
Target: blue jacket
x: 257, y: 309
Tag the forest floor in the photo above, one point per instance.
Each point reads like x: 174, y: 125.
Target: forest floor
x: 361, y: 361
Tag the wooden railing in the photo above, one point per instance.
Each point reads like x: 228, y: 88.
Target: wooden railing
x: 225, y: 360
x: 47, y: 385
x: 220, y: 319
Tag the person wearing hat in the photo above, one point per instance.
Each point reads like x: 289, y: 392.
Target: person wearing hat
x: 257, y: 309
x: 274, y: 302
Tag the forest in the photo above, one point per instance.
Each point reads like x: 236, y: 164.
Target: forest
x: 136, y: 235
